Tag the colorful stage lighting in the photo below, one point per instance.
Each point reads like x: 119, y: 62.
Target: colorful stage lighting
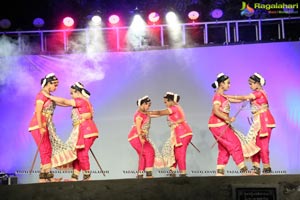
x: 38, y: 22
x: 216, y: 13
x: 153, y: 17
x: 114, y: 19
x: 96, y: 20
x: 68, y: 21
x: 193, y: 15
x: 171, y: 17
x: 5, y: 23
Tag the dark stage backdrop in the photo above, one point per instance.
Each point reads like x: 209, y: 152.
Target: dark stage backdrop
x: 117, y: 79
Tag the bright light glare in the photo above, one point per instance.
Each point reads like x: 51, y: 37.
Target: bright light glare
x: 68, y: 21
x: 114, y: 19
x: 137, y: 31
x: 153, y: 17
x: 96, y: 20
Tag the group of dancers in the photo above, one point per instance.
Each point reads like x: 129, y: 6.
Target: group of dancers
x: 74, y: 153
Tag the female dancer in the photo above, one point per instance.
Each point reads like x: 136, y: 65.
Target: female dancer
x: 84, y: 128
x: 219, y: 125
x: 263, y: 122
x: 138, y: 137
x: 174, y: 150
x: 41, y: 125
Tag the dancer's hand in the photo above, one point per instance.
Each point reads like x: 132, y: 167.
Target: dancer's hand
x: 42, y: 130
x: 230, y: 120
x: 142, y: 139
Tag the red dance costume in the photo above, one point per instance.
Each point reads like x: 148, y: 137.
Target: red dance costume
x: 228, y: 142
x: 45, y: 149
x: 263, y: 123
x: 88, y: 132
x: 145, y: 151
x: 181, y: 136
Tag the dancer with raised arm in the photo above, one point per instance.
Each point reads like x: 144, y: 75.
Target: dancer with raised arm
x: 263, y: 122
x: 139, y: 139
x: 220, y: 126
x: 174, y: 150
x: 84, y: 131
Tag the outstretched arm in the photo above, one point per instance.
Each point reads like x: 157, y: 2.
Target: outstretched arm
x: 232, y: 100
x: 159, y: 113
x: 61, y: 101
x: 239, y: 98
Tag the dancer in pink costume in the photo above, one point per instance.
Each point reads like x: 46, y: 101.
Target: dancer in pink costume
x: 139, y: 139
x: 263, y: 122
x: 219, y: 125
x: 41, y: 125
x: 84, y: 130
x: 174, y: 150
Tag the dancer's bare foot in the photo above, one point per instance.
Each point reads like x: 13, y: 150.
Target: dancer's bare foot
x: 43, y: 180
x: 86, y: 177
x: 55, y: 179
x: 70, y: 180
x: 220, y: 172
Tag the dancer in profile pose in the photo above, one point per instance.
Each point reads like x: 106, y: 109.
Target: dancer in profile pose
x: 138, y: 137
x: 84, y: 131
x: 263, y: 122
x: 174, y: 150
x: 220, y: 126
x: 41, y: 124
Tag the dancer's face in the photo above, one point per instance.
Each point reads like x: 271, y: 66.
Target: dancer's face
x: 253, y: 85
x: 226, y: 85
x: 74, y: 93
x: 146, y: 106
x: 167, y: 103
x: 53, y: 85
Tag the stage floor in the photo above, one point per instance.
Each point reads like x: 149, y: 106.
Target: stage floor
x: 275, y: 187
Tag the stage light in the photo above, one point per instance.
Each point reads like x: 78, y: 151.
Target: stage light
x: 68, y: 21
x: 96, y: 20
x: 114, y: 19
x: 137, y: 31
x: 174, y: 28
x: 5, y: 23
x: 172, y: 20
x: 38, y: 22
x: 153, y: 17
x: 171, y: 17
x: 138, y: 24
x: 216, y: 13
x: 193, y: 15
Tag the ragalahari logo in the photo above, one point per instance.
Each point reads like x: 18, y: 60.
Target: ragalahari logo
x: 246, y: 10
x: 271, y: 8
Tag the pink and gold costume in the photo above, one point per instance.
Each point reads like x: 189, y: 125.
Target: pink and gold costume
x: 45, y: 149
x: 145, y: 151
x: 263, y: 123
x: 87, y: 133
x: 228, y: 141
x: 53, y: 152
x: 174, y: 150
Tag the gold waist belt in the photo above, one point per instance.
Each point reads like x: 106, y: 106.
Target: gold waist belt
x: 47, y: 114
x: 260, y: 111
x: 79, y: 122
